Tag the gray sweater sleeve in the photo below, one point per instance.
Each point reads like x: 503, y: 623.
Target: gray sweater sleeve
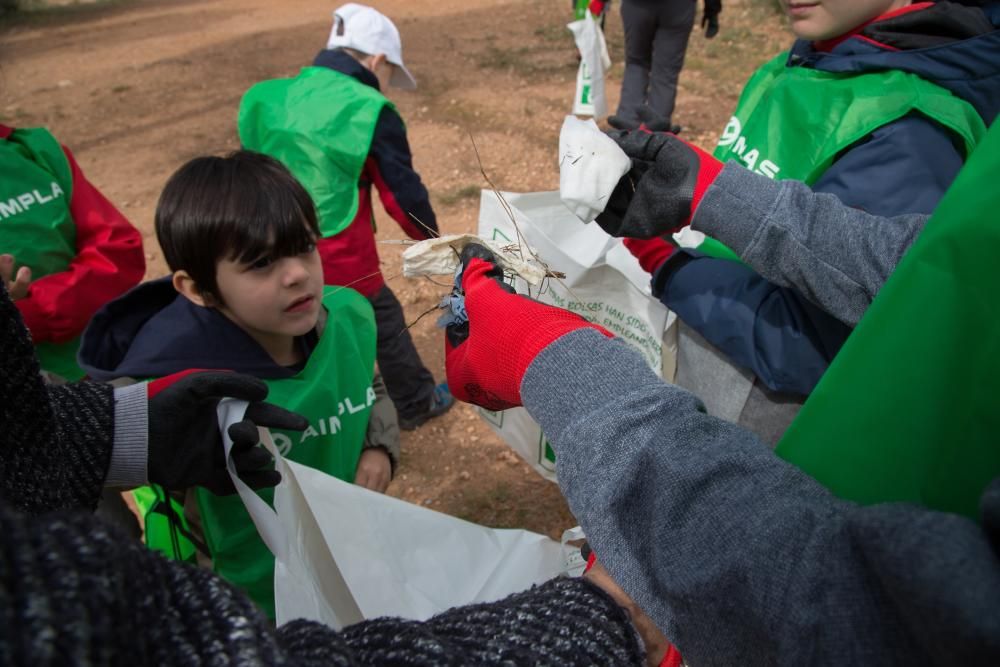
x: 838, y: 257
x: 739, y: 557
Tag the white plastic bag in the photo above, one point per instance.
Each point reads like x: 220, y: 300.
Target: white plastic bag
x: 590, y: 99
x: 603, y: 283
x: 344, y: 553
x: 590, y: 166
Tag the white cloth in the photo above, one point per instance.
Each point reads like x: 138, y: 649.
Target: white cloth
x: 590, y: 166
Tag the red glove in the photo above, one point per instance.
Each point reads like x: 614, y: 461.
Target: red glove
x: 596, y: 7
x: 486, y: 357
x: 651, y: 253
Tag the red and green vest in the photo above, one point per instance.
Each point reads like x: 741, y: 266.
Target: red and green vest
x: 793, y: 122
x: 910, y: 408
x: 334, y: 392
x: 320, y: 124
x: 36, y: 226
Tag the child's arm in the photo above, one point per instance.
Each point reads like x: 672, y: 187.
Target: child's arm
x: 109, y: 260
x: 380, y: 451
x: 772, y: 329
x: 390, y: 168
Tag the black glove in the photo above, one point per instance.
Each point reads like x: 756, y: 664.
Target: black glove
x: 185, y: 446
x: 660, y: 192
x: 710, y: 18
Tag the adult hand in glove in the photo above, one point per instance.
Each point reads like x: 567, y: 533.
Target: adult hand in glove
x: 487, y: 356
x: 185, y: 446
x: 663, y: 188
x: 710, y: 18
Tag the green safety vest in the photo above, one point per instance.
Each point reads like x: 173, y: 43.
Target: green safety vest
x: 320, y: 125
x: 910, y: 408
x: 36, y: 226
x: 793, y: 122
x: 334, y: 391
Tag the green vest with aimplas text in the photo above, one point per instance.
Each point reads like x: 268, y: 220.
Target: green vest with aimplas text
x: 910, y: 408
x: 320, y: 125
x: 36, y: 226
x: 793, y: 122
x: 334, y: 392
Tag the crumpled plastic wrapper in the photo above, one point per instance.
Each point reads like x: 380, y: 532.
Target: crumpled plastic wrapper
x: 590, y: 166
x: 439, y: 257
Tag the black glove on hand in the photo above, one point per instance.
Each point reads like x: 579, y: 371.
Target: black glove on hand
x: 660, y: 192
x: 185, y: 446
x: 710, y: 18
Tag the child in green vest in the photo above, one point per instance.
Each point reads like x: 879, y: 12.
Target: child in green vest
x: 879, y: 103
x: 339, y: 135
x: 246, y: 294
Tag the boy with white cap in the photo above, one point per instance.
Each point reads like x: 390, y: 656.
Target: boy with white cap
x: 339, y: 135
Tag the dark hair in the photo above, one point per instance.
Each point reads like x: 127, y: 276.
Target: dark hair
x: 241, y: 207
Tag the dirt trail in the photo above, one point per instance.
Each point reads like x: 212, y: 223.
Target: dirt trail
x: 137, y: 88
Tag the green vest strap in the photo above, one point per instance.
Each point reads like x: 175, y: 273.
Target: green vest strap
x: 320, y: 124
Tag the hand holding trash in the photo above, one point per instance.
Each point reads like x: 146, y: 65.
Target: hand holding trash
x: 660, y: 193
x: 185, y: 447
x: 17, y: 285
x: 487, y: 355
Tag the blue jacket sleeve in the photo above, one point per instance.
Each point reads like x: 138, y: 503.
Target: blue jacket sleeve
x: 903, y: 167
x: 786, y: 340
x: 399, y: 186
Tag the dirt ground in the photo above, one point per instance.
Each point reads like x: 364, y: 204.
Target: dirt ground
x: 137, y: 87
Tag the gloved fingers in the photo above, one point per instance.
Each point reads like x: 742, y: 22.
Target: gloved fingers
x: 479, y: 251
x: 273, y: 416
x: 220, y: 384
x: 244, y: 435
x: 252, y: 459
x: 479, y: 272
x: 261, y: 479
x: 643, y: 146
x: 455, y: 334
x: 713, y: 27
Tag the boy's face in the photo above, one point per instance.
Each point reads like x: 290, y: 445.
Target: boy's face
x: 272, y: 299
x: 824, y: 19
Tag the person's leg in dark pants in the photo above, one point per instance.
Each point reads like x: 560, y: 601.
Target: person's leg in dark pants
x: 674, y: 23
x: 640, y: 29
x: 409, y: 383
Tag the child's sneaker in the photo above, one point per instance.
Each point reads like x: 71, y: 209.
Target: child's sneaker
x: 441, y: 402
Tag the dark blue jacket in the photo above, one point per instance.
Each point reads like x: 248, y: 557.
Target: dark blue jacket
x: 351, y: 257
x: 903, y: 167
x: 153, y: 331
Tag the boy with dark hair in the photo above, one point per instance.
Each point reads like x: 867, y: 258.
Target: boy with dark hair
x: 339, y: 135
x: 247, y: 295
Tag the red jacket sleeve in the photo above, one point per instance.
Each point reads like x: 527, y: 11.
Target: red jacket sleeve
x: 109, y: 261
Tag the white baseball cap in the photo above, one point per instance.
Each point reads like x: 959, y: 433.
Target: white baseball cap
x: 367, y: 30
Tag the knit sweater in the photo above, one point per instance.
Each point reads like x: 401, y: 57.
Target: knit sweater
x: 73, y: 590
